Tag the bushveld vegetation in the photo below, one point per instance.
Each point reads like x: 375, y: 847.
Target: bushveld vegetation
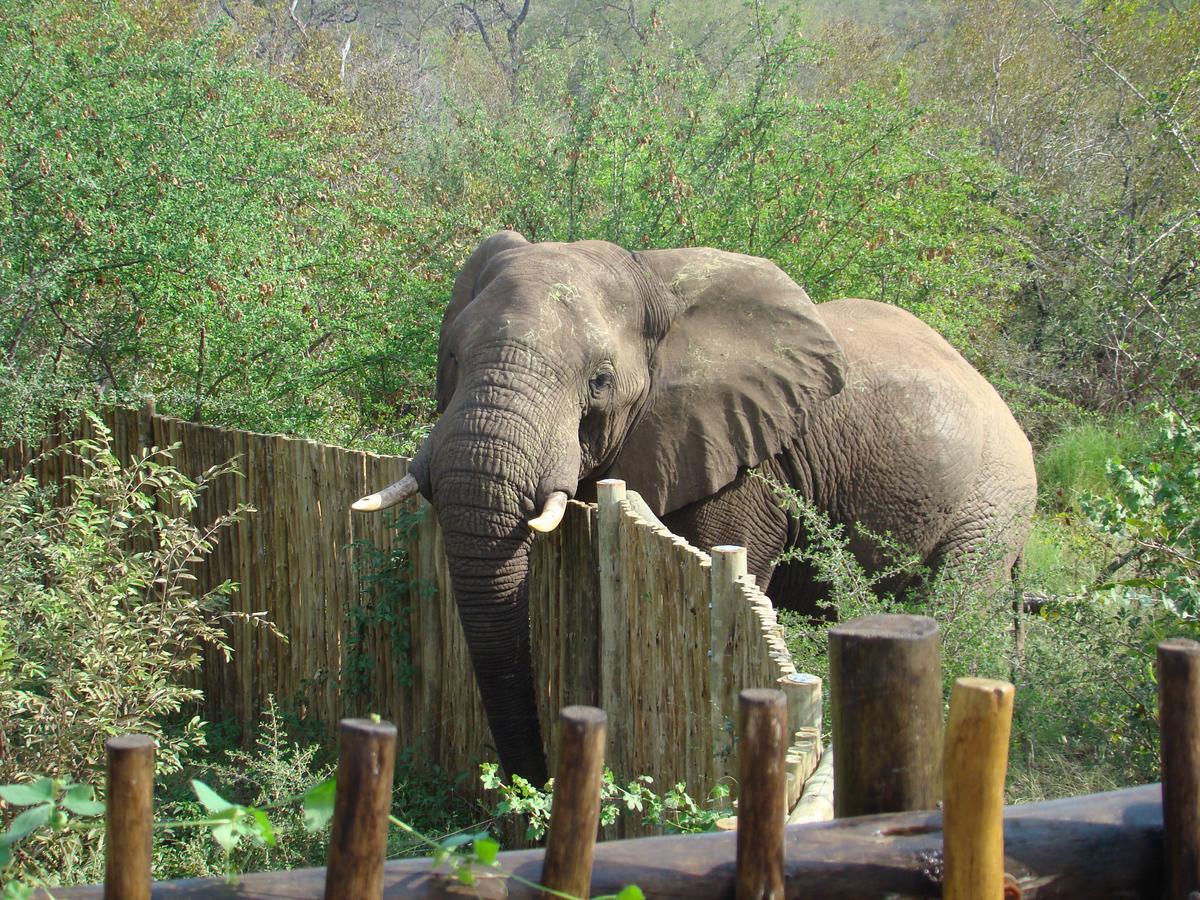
x: 251, y: 212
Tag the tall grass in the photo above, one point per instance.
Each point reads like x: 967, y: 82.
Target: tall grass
x: 1073, y: 462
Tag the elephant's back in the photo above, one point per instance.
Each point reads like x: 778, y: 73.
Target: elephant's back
x: 953, y: 446
x: 887, y: 347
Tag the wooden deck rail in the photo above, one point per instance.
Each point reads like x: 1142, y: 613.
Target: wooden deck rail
x: 1103, y: 845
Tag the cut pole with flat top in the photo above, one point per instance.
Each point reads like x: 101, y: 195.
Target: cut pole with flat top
x: 885, y: 684
x: 129, y: 816
x: 575, y: 815
x: 762, y: 793
x: 613, y: 615
x: 358, y: 840
x: 1179, y: 725
x: 976, y: 760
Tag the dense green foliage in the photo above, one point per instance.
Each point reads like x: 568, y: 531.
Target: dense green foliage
x: 101, y: 628
x: 251, y: 211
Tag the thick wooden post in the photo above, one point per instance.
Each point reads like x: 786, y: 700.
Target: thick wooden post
x: 803, y: 693
x: 728, y: 564
x: 575, y: 816
x: 762, y: 789
x: 358, y: 841
x: 976, y: 761
x: 614, y: 613
x: 886, y: 696
x: 129, y: 816
x: 1179, y: 723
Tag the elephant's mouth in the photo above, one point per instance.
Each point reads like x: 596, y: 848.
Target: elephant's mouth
x: 544, y: 522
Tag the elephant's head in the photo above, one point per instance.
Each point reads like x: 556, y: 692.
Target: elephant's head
x: 562, y: 363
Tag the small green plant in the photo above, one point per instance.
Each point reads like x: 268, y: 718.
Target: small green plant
x: 51, y: 802
x: 1151, y: 519
x: 270, y: 775
x: 387, y: 586
x: 1074, y: 462
x: 672, y: 812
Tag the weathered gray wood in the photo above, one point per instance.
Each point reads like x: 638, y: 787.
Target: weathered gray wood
x: 614, y: 618
x: 886, y: 703
x: 1104, y: 845
x: 728, y: 565
x: 1179, y: 723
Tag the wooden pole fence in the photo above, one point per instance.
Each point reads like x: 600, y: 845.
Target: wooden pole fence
x: 976, y: 761
x: 1179, y: 722
x: 886, y: 695
x: 358, y: 840
x: 762, y: 794
x: 575, y: 813
x: 1102, y: 845
x: 129, y: 816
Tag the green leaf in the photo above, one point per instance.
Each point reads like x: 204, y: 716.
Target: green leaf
x: 317, y: 806
x: 41, y: 791
x: 486, y: 850
x: 28, y: 821
x: 631, y: 892
x: 81, y: 800
x: 209, y: 799
x: 260, y: 826
x: 226, y: 835
x: 457, y: 840
x: 465, y: 875
x: 5, y: 856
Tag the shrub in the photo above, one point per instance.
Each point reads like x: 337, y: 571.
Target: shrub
x: 1085, y: 710
x: 273, y: 774
x: 101, y: 628
x: 1150, y: 519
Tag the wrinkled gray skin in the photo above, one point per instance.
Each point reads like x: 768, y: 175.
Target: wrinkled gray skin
x: 677, y: 370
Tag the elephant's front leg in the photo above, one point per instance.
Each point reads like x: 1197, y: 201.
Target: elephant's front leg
x: 743, y: 513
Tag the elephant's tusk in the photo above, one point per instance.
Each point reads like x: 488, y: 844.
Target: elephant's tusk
x: 552, y: 513
x: 389, y: 496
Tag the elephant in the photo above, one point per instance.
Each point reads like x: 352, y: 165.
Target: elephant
x: 683, y: 371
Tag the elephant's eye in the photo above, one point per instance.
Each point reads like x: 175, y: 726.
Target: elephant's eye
x: 601, y: 383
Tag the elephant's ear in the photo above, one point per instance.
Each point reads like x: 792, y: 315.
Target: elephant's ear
x: 466, y: 286
x: 744, y: 359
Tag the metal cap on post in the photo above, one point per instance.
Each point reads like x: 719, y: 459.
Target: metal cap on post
x: 762, y: 789
x: 358, y: 840
x: 575, y: 816
x: 129, y: 816
x: 886, y: 704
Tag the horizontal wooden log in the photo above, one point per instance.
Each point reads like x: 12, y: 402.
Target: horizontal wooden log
x: 1103, y: 845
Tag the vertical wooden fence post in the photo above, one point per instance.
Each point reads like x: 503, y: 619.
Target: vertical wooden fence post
x: 762, y: 789
x: 803, y: 694
x: 129, y: 816
x: 886, y: 696
x: 728, y: 564
x: 976, y: 761
x: 614, y: 618
x: 1179, y: 724
x: 575, y: 816
x: 358, y: 842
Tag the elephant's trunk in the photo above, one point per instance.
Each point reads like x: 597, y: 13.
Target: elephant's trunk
x: 486, y: 487
x: 491, y: 588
